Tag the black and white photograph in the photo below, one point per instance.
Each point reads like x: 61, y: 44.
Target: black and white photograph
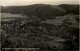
x: 39, y: 25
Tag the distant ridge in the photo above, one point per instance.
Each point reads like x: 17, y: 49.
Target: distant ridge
x: 40, y: 10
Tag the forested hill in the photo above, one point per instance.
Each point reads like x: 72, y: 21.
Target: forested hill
x: 70, y: 8
x: 75, y: 11
x: 40, y: 10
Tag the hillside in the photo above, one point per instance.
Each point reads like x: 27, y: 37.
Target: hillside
x: 70, y: 8
x: 39, y: 10
x: 46, y: 36
x: 75, y: 11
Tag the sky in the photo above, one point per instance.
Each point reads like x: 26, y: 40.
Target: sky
x: 29, y: 2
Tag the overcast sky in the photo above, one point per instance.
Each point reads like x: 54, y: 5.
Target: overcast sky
x: 29, y: 2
